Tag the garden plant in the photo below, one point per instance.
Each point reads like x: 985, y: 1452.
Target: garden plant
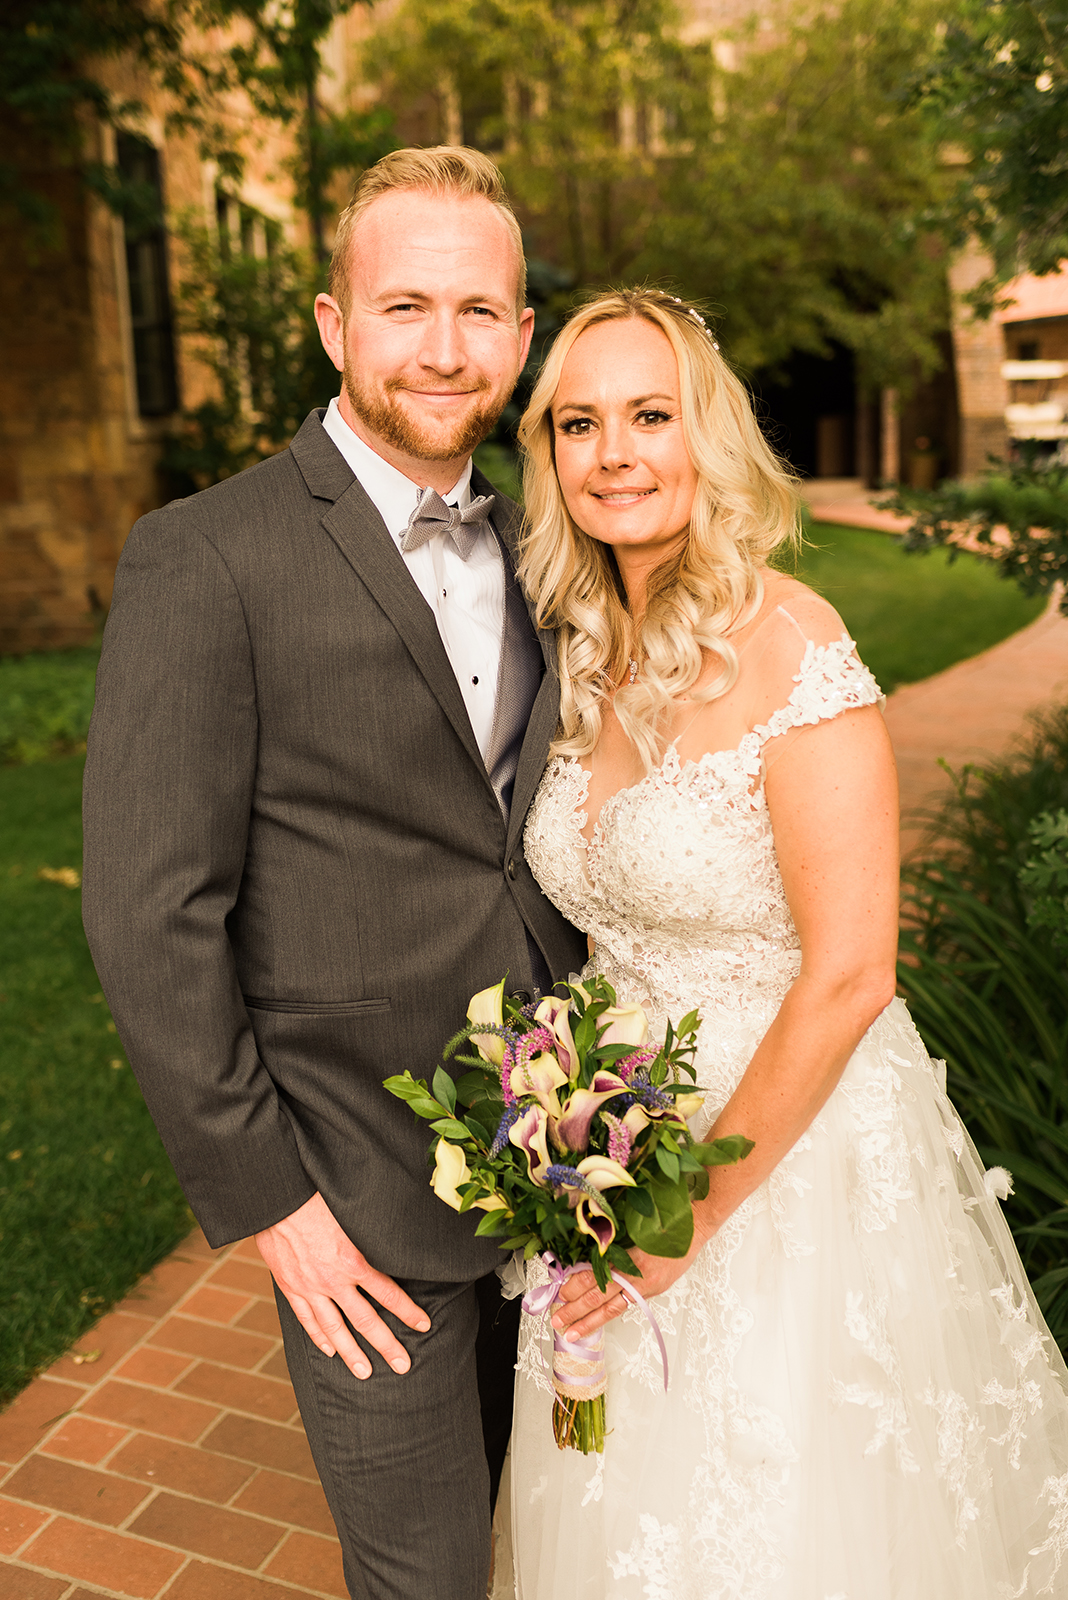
x: 984, y: 967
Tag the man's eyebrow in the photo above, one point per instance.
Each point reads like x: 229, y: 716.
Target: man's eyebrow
x: 423, y: 296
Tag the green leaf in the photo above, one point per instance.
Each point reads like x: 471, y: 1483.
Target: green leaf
x: 689, y: 1024
x: 416, y: 1094
x: 474, y: 1086
x: 492, y: 1222
x: 641, y: 1201
x: 450, y: 1129
x: 721, y: 1152
x: 445, y: 1088
x: 668, y: 1163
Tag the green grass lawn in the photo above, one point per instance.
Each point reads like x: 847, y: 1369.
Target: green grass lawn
x: 88, y: 1200
x: 911, y: 615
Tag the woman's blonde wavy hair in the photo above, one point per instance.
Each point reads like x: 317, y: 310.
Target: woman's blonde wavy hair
x: 745, y: 505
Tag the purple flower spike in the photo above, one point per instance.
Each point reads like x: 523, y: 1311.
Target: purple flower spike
x: 619, y: 1138
x: 539, y: 1041
x: 561, y: 1177
x: 507, y: 1092
x: 635, y: 1063
x: 500, y: 1139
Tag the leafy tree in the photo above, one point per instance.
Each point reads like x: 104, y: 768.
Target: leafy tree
x: 804, y: 209
x: 1017, y: 514
x: 252, y: 319
x: 999, y: 86
x: 51, y: 82
x: 792, y: 191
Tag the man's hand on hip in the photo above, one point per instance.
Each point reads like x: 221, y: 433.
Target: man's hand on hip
x: 321, y: 1272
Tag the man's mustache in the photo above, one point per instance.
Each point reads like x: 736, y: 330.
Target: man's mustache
x: 480, y: 385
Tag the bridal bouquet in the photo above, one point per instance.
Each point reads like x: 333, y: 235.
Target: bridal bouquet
x: 565, y: 1105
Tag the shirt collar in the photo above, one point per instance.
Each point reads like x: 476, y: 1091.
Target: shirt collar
x: 393, y: 495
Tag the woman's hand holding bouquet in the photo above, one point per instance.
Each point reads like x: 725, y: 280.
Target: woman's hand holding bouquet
x: 570, y: 1133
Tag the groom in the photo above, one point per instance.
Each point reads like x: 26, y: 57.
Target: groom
x: 322, y: 711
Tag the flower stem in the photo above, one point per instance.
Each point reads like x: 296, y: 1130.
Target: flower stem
x: 579, y: 1424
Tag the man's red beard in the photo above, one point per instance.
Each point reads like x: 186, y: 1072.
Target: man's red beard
x: 384, y: 417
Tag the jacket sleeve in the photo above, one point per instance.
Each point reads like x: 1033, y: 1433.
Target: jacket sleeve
x: 168, y: 789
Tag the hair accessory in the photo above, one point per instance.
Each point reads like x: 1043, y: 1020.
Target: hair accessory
x: 696, y: 315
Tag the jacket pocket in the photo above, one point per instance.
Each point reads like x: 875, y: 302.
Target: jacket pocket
x: 317, y: 1008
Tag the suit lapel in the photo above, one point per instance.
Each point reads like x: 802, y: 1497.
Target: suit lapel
x: 355, y: 526
x: 545, y: 712
x: 352, y: 521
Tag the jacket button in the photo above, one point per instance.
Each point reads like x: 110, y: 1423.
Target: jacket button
x: 512, y: 869
x: 523, y: 997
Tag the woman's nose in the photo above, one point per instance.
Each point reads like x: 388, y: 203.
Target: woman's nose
x: 616, y: 452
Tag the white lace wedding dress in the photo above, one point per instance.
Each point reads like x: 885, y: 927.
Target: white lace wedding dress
x: 864, y: 1401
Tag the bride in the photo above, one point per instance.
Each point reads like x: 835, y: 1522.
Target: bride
x: 864, y: 1401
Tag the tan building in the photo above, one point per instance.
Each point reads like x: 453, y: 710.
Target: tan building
x: 93, y: 367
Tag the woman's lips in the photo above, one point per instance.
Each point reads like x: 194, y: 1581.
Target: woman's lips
x: 621, y: 497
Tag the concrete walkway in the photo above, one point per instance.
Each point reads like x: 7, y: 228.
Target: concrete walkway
x: 974, y: 710
x: 164, y: 1456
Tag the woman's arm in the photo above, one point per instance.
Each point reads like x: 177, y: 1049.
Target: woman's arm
x: 832, y: 796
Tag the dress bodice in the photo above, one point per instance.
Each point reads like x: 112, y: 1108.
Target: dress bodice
x: 680, y: 885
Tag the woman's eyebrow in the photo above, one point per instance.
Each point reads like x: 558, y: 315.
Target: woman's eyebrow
x: 642, y: 400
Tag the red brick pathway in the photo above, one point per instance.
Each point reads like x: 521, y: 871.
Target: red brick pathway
x: 164, y: 1455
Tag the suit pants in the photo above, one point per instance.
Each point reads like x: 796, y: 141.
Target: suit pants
x: 403, y: 1460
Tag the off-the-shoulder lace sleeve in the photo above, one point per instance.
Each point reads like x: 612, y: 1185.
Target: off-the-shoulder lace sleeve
x: 830, y: 680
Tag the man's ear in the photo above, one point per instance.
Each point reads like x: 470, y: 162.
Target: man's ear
x: 331, y: 328
x: 526, y: 333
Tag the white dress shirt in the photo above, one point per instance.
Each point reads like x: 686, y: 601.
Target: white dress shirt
x: 466, y: 597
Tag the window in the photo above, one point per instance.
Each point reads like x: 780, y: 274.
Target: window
x: 146, y: 272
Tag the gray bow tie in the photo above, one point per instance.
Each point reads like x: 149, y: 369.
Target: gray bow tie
x: 432, y: 516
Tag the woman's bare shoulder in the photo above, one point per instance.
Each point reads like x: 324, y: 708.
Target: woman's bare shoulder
x: 814, y: 616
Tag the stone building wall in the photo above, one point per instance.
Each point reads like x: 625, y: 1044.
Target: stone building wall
x: 79, y: 463
x: 979, y: 350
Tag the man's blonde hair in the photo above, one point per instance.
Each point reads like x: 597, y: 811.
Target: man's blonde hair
x: 444, y: 169
x: 746, y: 504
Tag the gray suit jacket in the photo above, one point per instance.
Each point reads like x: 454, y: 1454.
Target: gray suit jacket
x: 296, y: 870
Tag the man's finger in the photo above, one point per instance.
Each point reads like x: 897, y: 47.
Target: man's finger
x: 308, y: 1321
x: 390, y: 1295
x: 344, y: 1344
x: 369, y: 1325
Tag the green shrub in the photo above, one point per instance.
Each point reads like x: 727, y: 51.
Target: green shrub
x: 1026, y: 499
x: 985, y: 978
x: 45, y: 703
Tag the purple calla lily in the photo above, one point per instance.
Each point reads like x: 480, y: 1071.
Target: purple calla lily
x: 571, y: 1129
x: 553, y: 1013
x: 528, y: 1135
x: 583, y: 1185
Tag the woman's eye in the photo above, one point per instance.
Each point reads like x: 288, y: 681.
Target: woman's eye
x: 653, y: 419
x: 575, y: 426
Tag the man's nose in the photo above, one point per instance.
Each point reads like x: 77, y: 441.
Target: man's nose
x: 443, y: 348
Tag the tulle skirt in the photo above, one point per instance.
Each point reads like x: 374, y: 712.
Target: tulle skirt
x: 864, y: 1401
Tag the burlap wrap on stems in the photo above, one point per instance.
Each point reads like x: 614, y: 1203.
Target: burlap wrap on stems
x: 575, y: 1378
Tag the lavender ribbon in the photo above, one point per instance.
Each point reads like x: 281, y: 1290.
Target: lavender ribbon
x: 538, y: 1302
